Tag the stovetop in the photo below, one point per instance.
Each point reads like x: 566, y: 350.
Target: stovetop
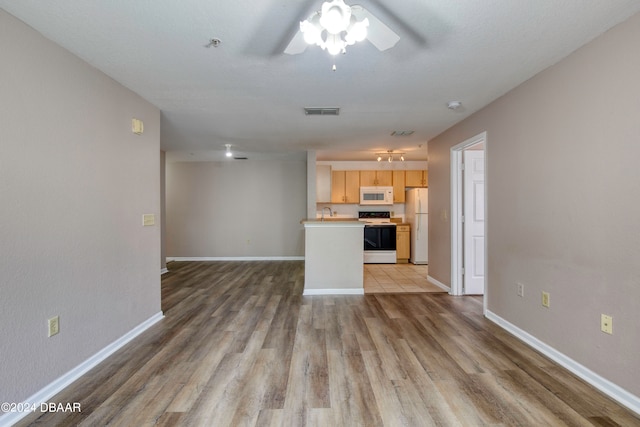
x: 375, y: 217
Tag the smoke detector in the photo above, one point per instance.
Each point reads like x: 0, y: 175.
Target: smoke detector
x: 454, y: 105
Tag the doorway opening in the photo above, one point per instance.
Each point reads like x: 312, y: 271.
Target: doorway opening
x: 468, y: 213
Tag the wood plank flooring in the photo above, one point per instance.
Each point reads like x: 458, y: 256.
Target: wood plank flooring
x: 241, y: 346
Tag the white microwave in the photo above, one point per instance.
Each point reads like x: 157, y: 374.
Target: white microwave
x: 376, y: 195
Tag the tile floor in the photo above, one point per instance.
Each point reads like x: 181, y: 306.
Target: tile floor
x: 397, y: 278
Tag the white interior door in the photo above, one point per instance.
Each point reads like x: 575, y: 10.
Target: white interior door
x: 473, y: 222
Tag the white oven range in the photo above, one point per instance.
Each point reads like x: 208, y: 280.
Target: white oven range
x: 379, y: 237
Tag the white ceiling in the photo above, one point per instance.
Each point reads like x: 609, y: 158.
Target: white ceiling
x: 247, y: 93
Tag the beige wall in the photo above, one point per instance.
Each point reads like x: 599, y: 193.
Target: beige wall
x: 236, y: 208
x: 563, y: 207
x: 74, y: 183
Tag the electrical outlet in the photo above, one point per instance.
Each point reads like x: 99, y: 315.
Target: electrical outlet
x: 520, y: 289
x: 606, y: 324
x: 546, y: 299
x: 53, y: 325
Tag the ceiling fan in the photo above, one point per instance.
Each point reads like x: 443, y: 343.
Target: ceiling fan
x: 337, y: 26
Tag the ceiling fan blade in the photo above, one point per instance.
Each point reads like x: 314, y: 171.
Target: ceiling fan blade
x: 378, y: 33
x: 296, y: 45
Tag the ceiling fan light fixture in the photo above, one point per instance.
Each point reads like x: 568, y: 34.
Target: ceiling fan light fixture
x: 334, y: 27
x: 335, y: 16
x: 349, y: 23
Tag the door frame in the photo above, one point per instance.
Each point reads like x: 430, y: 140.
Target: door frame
x: 457, y: 246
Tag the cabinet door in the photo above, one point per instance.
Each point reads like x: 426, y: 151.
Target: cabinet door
x: 368, y: 178
x: 402, y: 244
x: 384, y: 178
x: 398, y: 187
x: 337, y: 186
x: 417, y: 178
x: 413, y: 178
x: 352, y: 187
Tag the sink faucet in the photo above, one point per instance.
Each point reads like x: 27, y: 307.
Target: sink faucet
x: 330, y: 213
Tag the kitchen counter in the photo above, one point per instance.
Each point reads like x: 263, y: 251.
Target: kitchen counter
x: 334, y: 257
x: 330, y: 219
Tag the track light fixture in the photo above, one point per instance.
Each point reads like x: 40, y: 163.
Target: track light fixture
x: 390, y: 155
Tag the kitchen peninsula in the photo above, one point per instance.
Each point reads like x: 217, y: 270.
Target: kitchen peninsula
x: 334, y: 257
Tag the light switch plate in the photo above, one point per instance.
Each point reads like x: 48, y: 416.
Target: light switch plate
x: 546, y: 299
x: 53, y: 326
x: 137, y: 126
x: 148, y: 220
x: 606, y: 324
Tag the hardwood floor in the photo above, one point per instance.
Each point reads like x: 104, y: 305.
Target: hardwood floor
x: 241, y: 346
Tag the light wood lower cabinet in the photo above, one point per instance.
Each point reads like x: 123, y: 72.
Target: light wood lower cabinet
x: 403, y: 243
x: 345, y: 187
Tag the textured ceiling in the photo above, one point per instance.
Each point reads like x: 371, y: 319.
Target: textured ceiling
x: 247, y: 93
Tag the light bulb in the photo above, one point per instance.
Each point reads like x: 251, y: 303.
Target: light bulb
x: 335, y: 16
x: 228, y: 153
x: 402, y: 158
x: 357, y: 32
x: 333, y: 44
x: 390, y: 159
x: 379, y: 158
x: 311, y: 31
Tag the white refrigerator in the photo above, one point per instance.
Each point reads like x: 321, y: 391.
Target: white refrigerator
x: 417, y: 214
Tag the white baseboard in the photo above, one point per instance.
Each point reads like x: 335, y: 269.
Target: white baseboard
x: 612, y: 390
x: 246, y: 258
x: 164, y: 271
x: 53, y: 388
x: 352, y: 291
x: 438, y: 283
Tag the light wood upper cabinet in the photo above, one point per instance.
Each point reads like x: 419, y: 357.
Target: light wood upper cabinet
x: 376, y: 178
x: 398, y: 186
x: 417, y: 178
x: 345, y: 187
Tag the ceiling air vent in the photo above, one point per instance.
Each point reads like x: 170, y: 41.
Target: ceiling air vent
x: 322, y: 111
x: 402, y: 133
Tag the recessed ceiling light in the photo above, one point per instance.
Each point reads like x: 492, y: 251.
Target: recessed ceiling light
x: 402, y: 132
x: 454, y: 105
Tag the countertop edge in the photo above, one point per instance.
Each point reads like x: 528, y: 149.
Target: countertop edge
x: 355, y: 224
